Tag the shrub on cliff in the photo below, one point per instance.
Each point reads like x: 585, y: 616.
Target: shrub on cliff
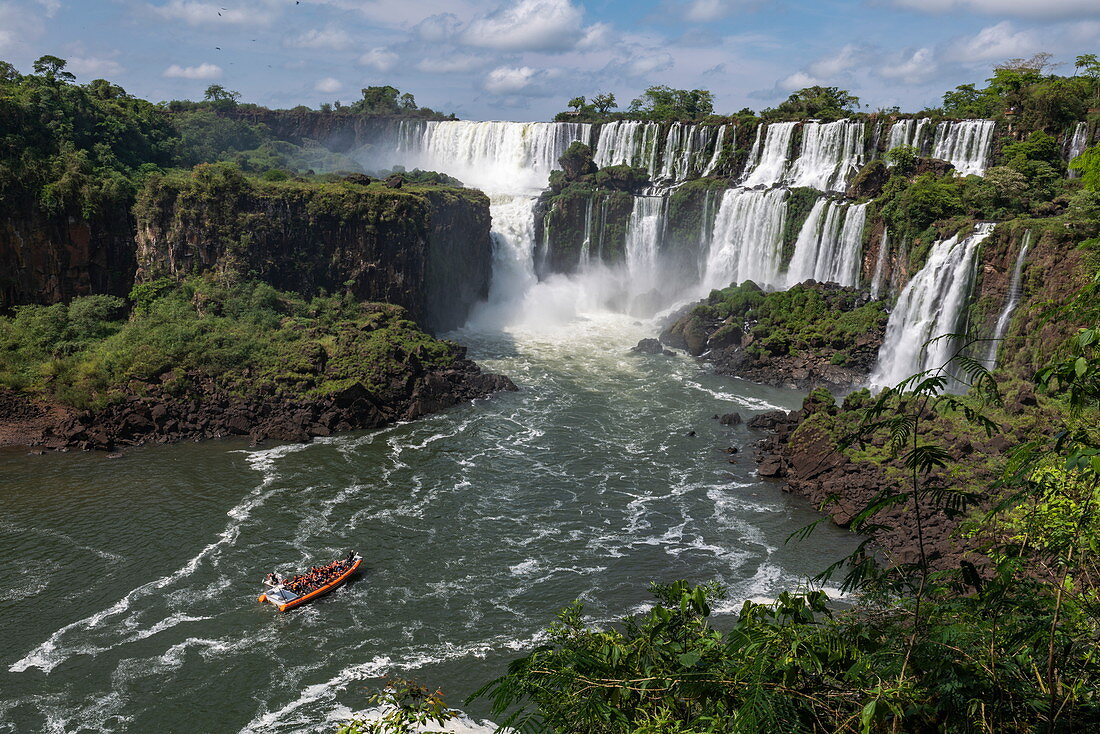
x: 806, y: 318
x: 248, y: 338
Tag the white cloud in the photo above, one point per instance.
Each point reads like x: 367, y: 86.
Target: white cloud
x: 916, y: 67
x: 993, y: 43
x: 520, y: 80
x: 92, y: 66
x: 1020, y: 8
x: 455, y: 64
x: 200, y: 13
x: 847, y: 58
x: 323, y: 38
x: 437, y: 28
x: 703, y: 11
x: 16, y: 28
x: 646, y: 64
x: 328, y: 85
x: 528, y: 25
x: 202, y: 71
x: 797, y: 80
x: 597, y: 36
x: 381, y: 59
x: 51, y: 6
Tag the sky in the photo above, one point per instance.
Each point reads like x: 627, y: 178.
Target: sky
x: 524, y: 59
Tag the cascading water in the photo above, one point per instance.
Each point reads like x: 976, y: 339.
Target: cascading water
x: 831, y: 152
x: 1077, y: 144
x: 829, y: 245
x: 908, y: 132
x: 712, y: 164
x: 630, y: 143
x: 747, y: 240
x: 1012, y: 300
x: 771, y: 153
x: 496, y: 157
x: 965, y: 144
x: 931, y: 305
x: 880, y: 263
x: 643, y: 237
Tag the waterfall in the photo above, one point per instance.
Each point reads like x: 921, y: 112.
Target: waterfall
x: 769, y: 162
x: 492, y: 156
x: 586, y: 245
x: 830, y: 153
x: 908, y: 132
x: 880, y: 263
x: 1012, y: 299
x: 747, y: 239
x: 719, y: 141
x: 829, y: 245
x: 643, y: 240
x: 965, y: 144
x: 630, y: 143
x: 1077, y: 144
x: 687, y: 151
x: 931, y: 305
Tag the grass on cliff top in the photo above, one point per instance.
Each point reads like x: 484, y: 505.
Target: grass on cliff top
x: 805, y: 318
x: 247, y: 337
x: 344, y: 197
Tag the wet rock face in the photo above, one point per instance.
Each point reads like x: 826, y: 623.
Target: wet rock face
x: 47, y: 258
x: 427, y: 249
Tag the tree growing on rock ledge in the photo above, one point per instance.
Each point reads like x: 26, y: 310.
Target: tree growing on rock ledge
x: 665, y: 103
x: 822, y: 103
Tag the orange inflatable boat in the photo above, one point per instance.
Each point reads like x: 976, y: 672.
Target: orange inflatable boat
x: 283, y: 598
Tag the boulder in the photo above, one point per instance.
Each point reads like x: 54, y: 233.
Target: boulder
x: 650, y: 346
x: 730, y: 419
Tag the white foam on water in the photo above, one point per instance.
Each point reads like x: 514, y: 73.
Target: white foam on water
x: 460, y: 724
x: 380, y: 666
x: 50, y: 653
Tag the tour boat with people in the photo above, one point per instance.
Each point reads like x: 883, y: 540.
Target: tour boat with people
x: 293, y: 591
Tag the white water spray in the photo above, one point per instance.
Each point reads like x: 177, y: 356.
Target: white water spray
x: 747, y: 239
x: 965, y: 144
x: 930, y: 306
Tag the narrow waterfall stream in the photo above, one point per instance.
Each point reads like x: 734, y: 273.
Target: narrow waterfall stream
x: 931, y: 305
x: 1012, y: 299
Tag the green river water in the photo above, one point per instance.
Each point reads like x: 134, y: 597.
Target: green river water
x: 128, y: 586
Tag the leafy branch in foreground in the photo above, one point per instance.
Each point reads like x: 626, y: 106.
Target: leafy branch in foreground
x: 1005, y: 643
x: 404, y: 707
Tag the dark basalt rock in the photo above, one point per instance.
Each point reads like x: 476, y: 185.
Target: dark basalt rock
x: 650, y: 346
x: 730, y: 419
x: 207, y: 411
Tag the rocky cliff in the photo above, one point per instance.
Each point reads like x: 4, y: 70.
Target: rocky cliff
x: 48, y: 258
x: 425, y: 248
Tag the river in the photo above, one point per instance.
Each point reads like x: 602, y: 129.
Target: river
x: 128, y: 585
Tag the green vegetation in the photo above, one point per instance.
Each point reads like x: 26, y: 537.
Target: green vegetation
x: 245, y: 337
x: 1024, y: 90
x: 1006, y: 647
x: 657, y: 103
x: 69, y: 147
x: 803, y: 319
x: 823, y: 103
x: 86, y: 148
x: 387, y: 101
